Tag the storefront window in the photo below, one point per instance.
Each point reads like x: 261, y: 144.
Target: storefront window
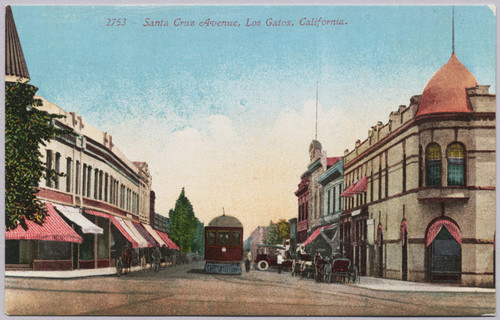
x: 103, y: 239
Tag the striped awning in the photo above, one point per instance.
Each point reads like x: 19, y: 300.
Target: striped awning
x: 348, y: 192
x: 151, y: 241
x: 118, y: 223
x: 167, y: 240
x: 360, y: 186
x: 155, y: 235
x: 97, y: 213
x: 436, y: 226
x: 74, y: 214
x: 136, y: 235
x: 315, y: 234
x: 53, y: 229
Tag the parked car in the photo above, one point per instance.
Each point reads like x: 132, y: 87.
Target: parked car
x: 267, y: 256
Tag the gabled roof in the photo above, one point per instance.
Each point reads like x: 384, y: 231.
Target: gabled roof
x: 447, y: 89
x: 15, y: 65
x: 331, y: 161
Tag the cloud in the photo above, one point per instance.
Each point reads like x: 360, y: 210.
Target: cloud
x: 251, y: 169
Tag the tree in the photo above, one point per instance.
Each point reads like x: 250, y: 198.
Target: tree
x: 183, y: 223
x: 199, y: 238
x: 272, y: 234
x: 26, y: 129
x: 283, y: 227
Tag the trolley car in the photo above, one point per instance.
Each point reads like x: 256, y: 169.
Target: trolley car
x: 224, y: 245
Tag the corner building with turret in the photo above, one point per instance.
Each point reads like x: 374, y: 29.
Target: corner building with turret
x: 419, y: 198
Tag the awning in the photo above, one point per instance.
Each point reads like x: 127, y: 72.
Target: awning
x: 436, y: 227
x: 314, y: 235
x: 155, y: 235
x: 97, y: 213
x: 135, y: 234
x: 167, y: 240
x: 53, y: 229
x: 120, y: 225
x: 360, y: 186
x: 74, y: 214
x: 145, y: 234
x: 348, y: 192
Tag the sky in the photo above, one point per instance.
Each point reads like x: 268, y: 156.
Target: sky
x: 228, y: 113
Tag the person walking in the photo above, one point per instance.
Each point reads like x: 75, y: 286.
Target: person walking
x: 280, y: 262
x: 248, y: 260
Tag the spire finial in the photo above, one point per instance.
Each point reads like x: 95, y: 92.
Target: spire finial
x: 316, y: 132
x: 453, y: 30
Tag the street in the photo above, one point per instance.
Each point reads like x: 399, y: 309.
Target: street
x: 186, y: 290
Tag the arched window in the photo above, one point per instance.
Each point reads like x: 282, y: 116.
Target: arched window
x: 456, y: 170
x: 433, y: 165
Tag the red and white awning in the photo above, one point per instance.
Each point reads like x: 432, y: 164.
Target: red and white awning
x: 360, y: 186
x: 120, y: 225
x: 167, y: 240
x: 53, y: 229
x: 436, y: 227
x: 135, y: 234
x: 145, y: 234
x: 348, y: 192
x: 315, y: 234
x: 155, y: 235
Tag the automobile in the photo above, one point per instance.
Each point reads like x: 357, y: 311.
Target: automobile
x: 267, y: 256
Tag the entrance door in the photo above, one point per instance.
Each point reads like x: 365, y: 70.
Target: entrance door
x: 404, y: 257
x: 445, y: 257
x: 381, y: 255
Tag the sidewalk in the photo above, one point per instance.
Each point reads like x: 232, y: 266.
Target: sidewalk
x: 81, y: 273
x: 399, y: 285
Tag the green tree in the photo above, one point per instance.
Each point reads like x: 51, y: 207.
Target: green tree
x: 272, y: 234
x: 199, y: 238
x: 26, y: 129
x: 283, y: 227
x: 183, y: 223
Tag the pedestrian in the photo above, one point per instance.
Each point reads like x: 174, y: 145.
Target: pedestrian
x: 248, y: 260
x: 280, y: 262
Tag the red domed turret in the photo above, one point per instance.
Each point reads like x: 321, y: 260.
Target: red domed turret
x: 446, y: 91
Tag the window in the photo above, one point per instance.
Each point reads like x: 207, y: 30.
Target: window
x: 334, y: 195
x: 420, y: 164
x: 386, y: 175
x: 106, y: 187
x: 223, y: 238
x: 77, y: 177
x: 68, y: 174
x: 100, y: 185
x: 456, y: 170
x: 328, y: 206
x: 89, y: 175
x: 235, y: 238
x: 211, y: 238
x: 404, y: 172
x: 84, y: 179
x: 96, y: 182
x: 48, y: 162
x: 433, y: 165
x: 58, y: 169
x: 380, y: 179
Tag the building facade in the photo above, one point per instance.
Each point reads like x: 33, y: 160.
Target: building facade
x: 419, y: 199
x: 101, y: 202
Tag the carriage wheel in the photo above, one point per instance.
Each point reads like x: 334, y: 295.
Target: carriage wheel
x: 262, y: 265
x: 119, y: 267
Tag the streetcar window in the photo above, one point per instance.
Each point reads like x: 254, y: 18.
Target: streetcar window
x: 211, y: 238
x: 235, y: 238
x: 223, y: 238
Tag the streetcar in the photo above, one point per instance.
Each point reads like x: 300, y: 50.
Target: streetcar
x: 224, y: 245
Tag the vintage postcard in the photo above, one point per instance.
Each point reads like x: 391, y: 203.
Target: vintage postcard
x: 250, y: 160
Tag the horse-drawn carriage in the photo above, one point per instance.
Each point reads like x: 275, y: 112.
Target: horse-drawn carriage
x: 340, y: 268
x: 325, y: 269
